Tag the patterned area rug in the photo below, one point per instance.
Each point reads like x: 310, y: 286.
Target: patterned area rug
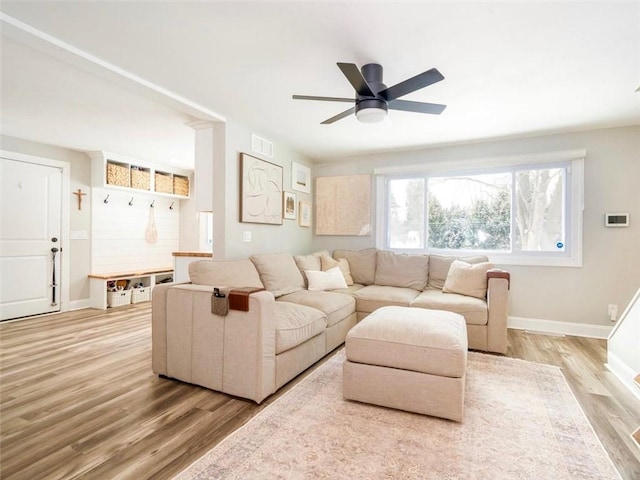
x: 521, y: 422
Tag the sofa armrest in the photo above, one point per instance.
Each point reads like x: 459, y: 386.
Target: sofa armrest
x: 498, y: 283
x: 234, y: 354
x: 497, y: 273
x: 159, y: 327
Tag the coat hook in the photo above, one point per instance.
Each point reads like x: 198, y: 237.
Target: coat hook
x: 131, y: 202
x: 171, y: 206
x: 152, y: 203
x: 106, y: 200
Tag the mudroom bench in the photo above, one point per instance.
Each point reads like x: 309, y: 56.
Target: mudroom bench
x: 98, y: 284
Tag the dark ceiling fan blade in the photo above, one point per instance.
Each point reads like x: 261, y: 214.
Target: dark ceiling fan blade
x: 419, y: 107
x: 356, y: 79
x: 324, y: 99
x: 340, y: 116
x: 421, y: 80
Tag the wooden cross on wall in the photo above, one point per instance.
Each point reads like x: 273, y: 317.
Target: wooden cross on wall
x: 80, y: 195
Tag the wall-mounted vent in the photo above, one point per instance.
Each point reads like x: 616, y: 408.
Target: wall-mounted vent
x: 262, y: 146
x: 616, y: 219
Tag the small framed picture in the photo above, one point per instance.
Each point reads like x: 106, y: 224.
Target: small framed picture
x: 305, y: 214
x: 289, y: 206
x: 300, y: 177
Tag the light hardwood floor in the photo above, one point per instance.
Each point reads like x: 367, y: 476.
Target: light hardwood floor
x: 79, y: 400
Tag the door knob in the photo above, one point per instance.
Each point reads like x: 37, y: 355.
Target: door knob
x: 54, y: 250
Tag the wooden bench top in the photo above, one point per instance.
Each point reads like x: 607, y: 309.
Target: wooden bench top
x: 138, y: 273
x: 193, y: 254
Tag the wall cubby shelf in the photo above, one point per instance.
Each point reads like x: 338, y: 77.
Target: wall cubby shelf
x: 113, y: 170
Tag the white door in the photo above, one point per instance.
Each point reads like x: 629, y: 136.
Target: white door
x: 30, y: 229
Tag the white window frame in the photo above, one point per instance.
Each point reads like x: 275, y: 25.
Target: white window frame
x: 574, y: 191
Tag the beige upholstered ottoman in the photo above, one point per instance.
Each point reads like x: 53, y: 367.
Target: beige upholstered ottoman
x: 411, y: 359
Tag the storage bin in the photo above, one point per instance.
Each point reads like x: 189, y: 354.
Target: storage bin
x: 164, y: 182
x: 181, y: 185
x: 140, y: 178
x: 142, y: 294
x: 118, y: 298
x: 118, y: 174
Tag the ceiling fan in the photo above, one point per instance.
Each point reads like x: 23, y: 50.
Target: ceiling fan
x: 373, y: 98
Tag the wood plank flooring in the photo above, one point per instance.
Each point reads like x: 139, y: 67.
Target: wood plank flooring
x: 78, y: 399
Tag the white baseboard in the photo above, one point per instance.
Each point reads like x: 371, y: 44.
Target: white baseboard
x: 556, y: 327
x: 79, y: 304
x: 623, y: 373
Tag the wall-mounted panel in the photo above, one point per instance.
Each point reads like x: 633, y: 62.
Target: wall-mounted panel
x: 343, y: 205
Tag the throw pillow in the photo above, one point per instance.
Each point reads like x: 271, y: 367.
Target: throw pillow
x: 328, y: 263
x: 329, y: 280
x: 439, y: 268
x: 467, y: 279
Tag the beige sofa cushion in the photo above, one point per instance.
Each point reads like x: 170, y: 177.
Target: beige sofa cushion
x: 372, y: 297
x: 336, y: 306
x: 474, y: 310
x: 362, y: 264
x: 295, y: 324
x: 413, y: 339
x: 279, y: 273
x: 402, y: 270
x: 237, y: 273
x: 439, y: 268
x: 467, y: 279
x: 309, y: 262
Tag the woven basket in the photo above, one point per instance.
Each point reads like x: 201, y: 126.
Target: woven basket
x: 181, y: 185
x: 164, y: 182
x: 118, y: 174
x: 119, y: 298
x: 140, y: 178
x: 142, y: 294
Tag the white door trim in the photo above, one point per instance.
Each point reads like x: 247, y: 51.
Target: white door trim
x: 66, y: 200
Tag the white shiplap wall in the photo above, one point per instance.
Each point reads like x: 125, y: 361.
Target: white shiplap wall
x: 118, y: 231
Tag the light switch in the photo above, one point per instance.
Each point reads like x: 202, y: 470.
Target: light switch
x: 246, y: 236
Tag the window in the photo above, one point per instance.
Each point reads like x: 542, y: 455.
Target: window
x: 516, y: 214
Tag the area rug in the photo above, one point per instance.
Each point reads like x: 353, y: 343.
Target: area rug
x: 521, y: 422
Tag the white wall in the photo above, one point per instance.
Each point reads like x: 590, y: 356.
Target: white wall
x: 611, y: 256
x: 80, y: 220
x: 228, y: 230
x: 118, y: 231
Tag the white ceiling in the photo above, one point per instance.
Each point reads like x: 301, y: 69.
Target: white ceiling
x: 511, y: 69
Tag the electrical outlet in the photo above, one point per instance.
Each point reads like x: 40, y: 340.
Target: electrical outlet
x: 612, y: 311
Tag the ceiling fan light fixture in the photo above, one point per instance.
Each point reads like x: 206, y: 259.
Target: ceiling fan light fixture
x: 371, y: 115
x: 371, y: 111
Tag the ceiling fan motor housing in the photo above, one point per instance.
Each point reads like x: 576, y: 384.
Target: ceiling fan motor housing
x: 372, y: 73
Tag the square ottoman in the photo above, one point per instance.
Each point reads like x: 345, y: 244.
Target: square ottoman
x: 411, y: 359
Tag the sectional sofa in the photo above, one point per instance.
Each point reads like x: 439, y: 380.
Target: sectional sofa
x: 309, y: 304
